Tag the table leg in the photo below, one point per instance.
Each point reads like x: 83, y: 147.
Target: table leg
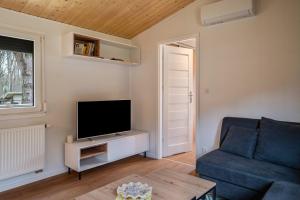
x: 79, y: 176
x: 214, y: 193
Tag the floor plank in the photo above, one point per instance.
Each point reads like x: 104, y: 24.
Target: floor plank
x: 64, y: 186
x: 186, y: 158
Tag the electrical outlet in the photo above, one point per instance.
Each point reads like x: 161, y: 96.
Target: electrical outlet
x: 204, y: 150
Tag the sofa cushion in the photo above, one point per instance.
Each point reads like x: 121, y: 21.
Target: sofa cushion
x: 233, y: 192
x: 283, y: 191
x: 240, y: 141
x: 235, y: 121
x: 248, y: 173
x: 279, y: 142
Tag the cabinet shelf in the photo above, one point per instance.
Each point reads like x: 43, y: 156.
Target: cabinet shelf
x: 93, y: 151
x: 91, y: 155
x: 91, y: 163
x: 91, y: 48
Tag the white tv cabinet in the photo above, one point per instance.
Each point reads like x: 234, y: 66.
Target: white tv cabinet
x: 84, y: 155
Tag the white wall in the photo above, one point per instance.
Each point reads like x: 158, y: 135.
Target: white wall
x: 67, y: 81
x: 248, y: 68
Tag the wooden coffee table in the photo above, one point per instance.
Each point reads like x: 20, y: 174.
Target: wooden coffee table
x: 166, y: 185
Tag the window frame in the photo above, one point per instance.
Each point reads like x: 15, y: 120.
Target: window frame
x: 38, y: 78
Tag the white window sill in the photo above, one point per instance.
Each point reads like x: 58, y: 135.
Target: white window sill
x: 22, y: 116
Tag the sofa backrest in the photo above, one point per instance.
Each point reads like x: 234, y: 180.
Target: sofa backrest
x: 278, y: 141
x: 236, y: 121
x: 292, y: 123
x: 242, y: 122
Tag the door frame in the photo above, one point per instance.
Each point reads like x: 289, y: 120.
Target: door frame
x: 179, y: 147
x: 159, y: 135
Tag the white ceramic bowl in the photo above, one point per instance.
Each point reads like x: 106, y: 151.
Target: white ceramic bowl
x: 134, y: 191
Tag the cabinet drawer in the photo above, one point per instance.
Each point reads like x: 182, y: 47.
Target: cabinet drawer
x: 128, y: 146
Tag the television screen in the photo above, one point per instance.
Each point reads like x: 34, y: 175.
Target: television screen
x: 95, y: 118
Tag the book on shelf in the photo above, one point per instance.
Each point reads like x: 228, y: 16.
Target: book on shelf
x: 84, y: 48
x: 90, y: 49
x: 78, y: 48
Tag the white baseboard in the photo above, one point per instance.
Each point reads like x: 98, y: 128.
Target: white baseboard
x: 23, y: 180
x: 151, y: 155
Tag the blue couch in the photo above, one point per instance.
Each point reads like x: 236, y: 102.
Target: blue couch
x: 257, y: 159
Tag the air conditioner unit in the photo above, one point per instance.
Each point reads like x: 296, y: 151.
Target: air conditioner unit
x: 226, y: 10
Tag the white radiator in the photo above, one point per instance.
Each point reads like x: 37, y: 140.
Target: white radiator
x: 22, y: 150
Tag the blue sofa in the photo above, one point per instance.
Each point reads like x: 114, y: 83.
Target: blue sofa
x: 257, y: 159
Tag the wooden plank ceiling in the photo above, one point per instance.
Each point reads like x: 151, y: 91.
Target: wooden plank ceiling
x: 123, y: 18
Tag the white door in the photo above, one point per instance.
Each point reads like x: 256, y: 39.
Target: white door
x: 177, y: 100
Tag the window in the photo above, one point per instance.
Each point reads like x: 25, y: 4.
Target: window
x: 16, y: 72
x: 20, y: 72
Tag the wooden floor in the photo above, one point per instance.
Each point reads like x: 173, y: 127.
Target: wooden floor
x: 64, y: 187
x: 188, y: 158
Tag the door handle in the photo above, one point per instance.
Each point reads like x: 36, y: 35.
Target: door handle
x: 191, y: 96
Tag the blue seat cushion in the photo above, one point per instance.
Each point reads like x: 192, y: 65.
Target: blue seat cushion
x: 283, y: 191
x: 234, y: 192
x: 279, y: 143
x: 249, y: 173
x: 240, y: 141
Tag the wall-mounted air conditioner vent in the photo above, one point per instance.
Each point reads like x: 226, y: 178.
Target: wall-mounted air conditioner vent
x: 226, y: 10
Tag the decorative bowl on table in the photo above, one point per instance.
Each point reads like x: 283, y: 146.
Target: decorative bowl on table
x: 134, y: 191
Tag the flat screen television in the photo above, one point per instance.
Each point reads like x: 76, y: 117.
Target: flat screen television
x: 96, y: 118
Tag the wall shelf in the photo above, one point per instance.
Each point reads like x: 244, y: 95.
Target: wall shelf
x: 90, y: 48
x: 102, y: 60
